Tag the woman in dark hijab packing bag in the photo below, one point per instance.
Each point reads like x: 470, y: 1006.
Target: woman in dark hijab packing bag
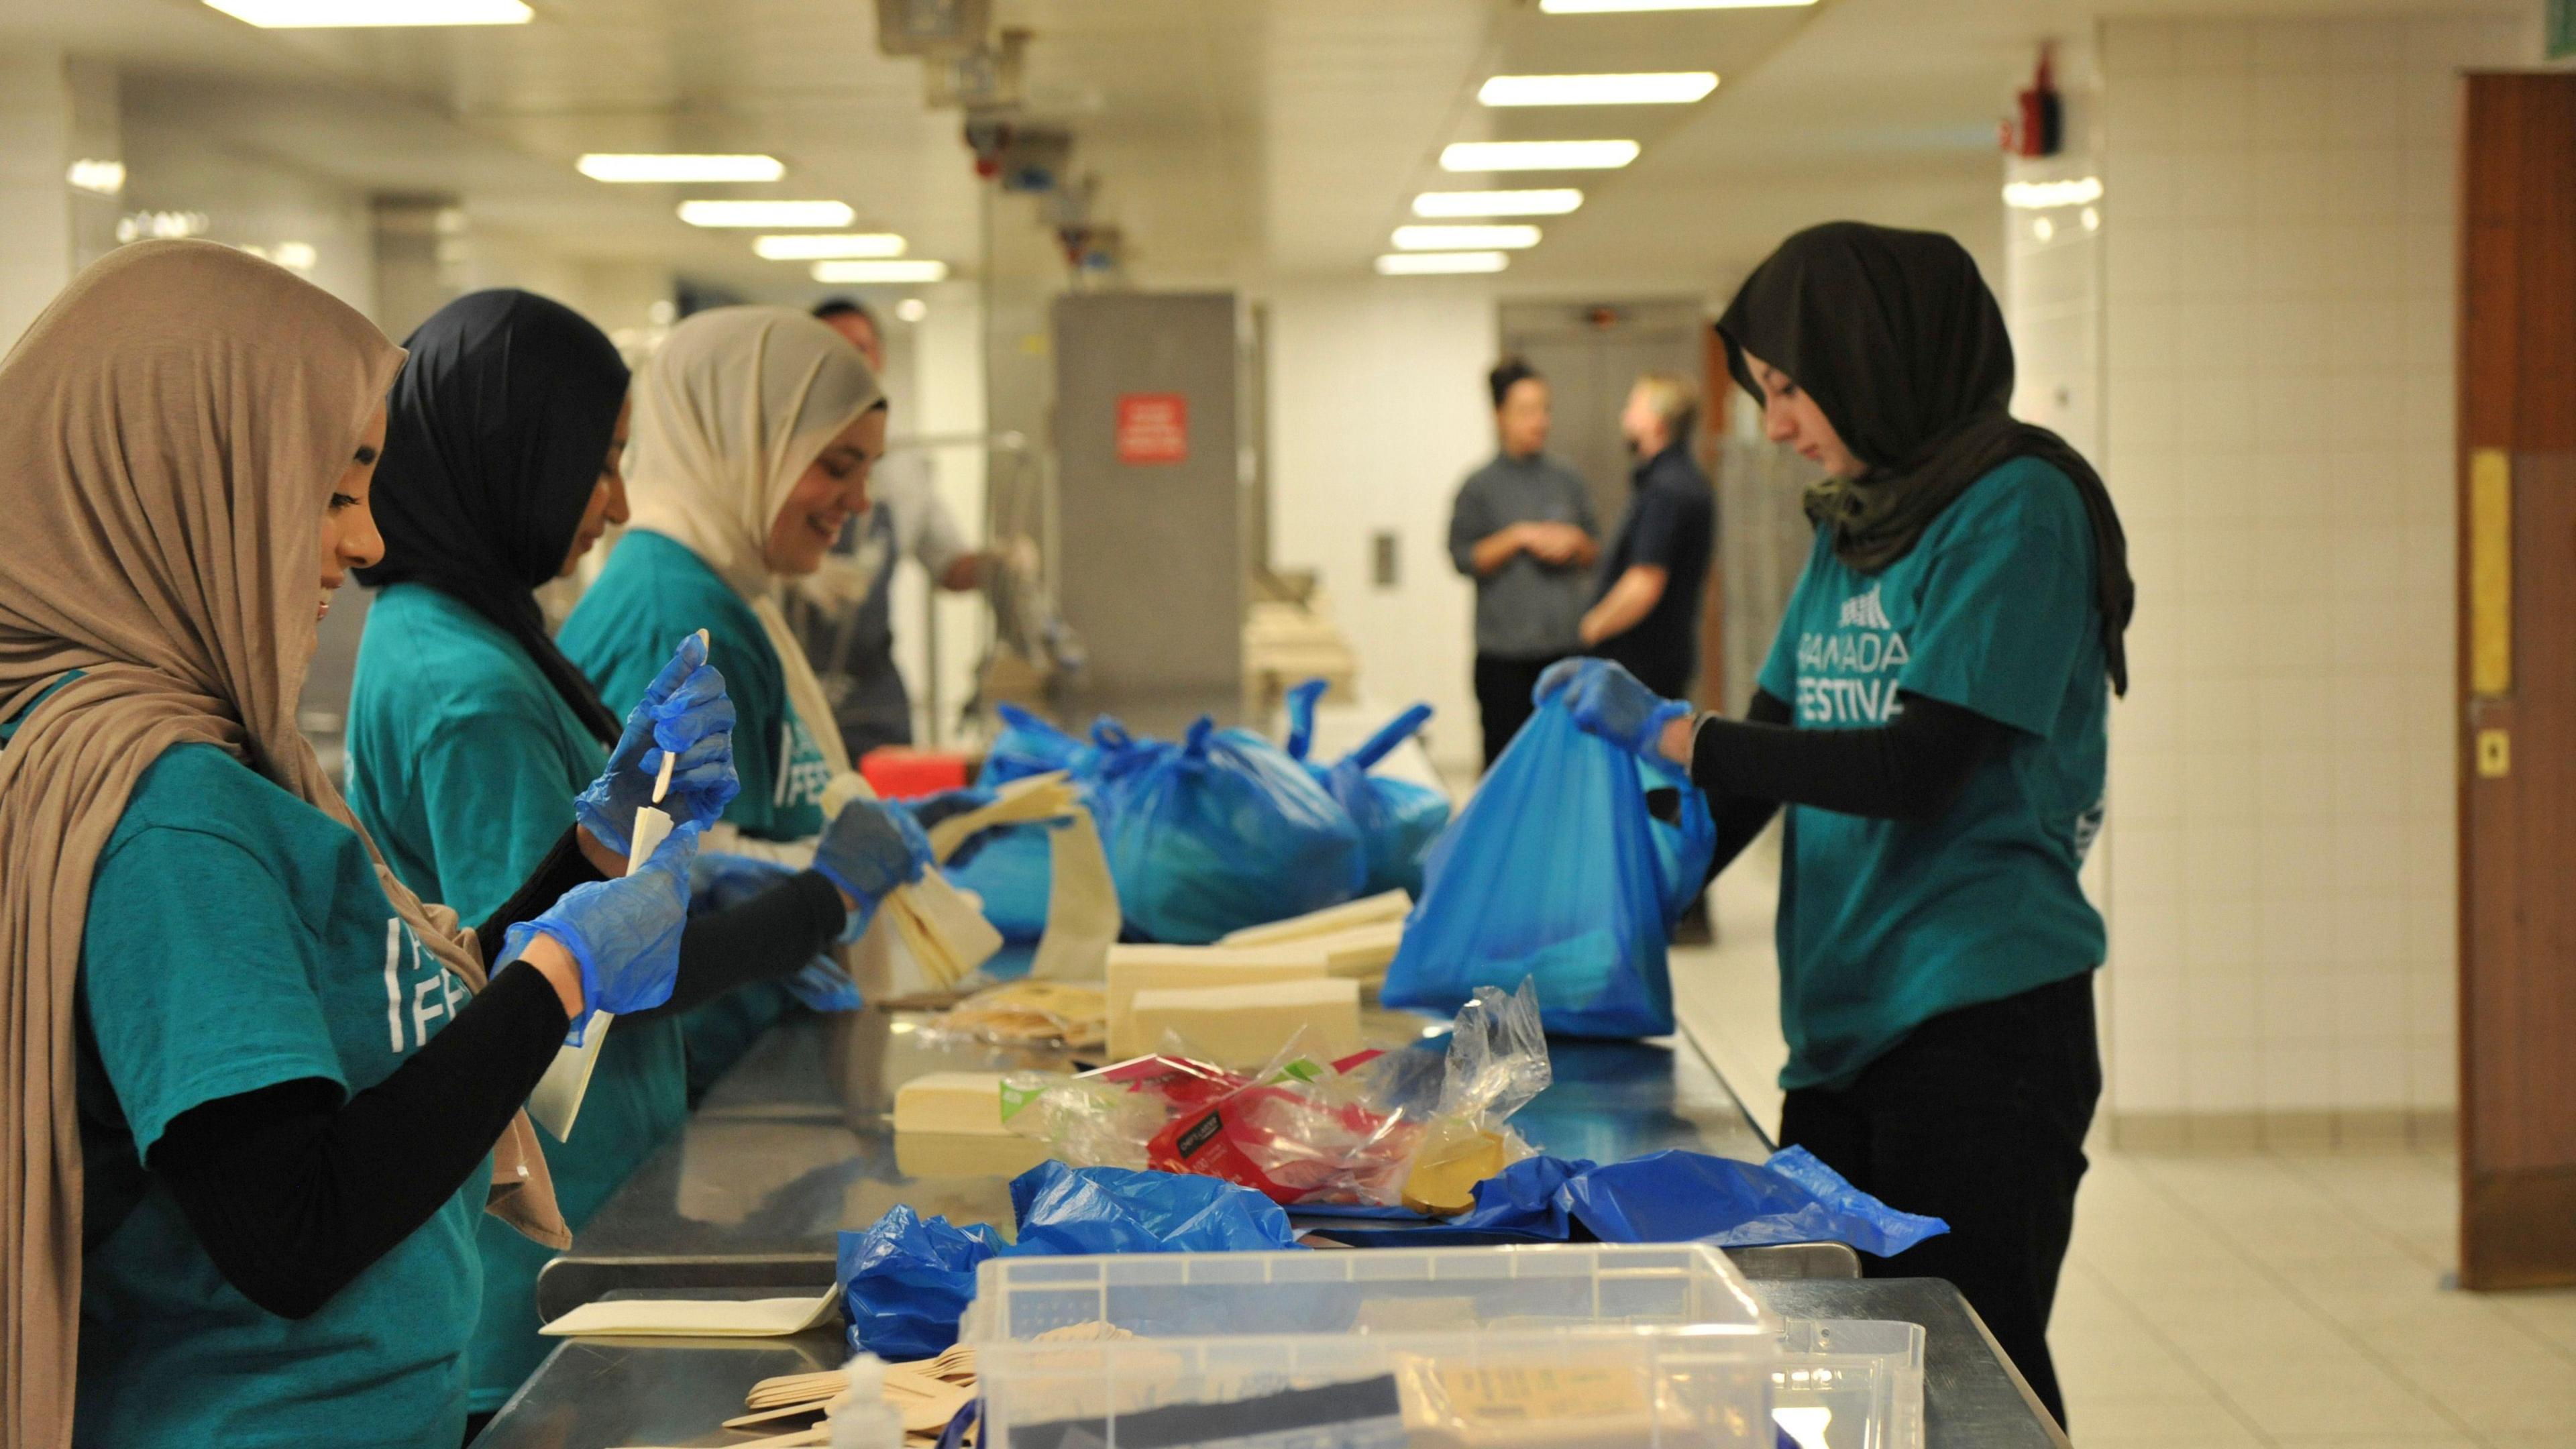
x: 1933, y: 713
x: 472, y: 739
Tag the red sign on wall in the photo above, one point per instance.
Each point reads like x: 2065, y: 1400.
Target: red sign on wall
x: 1153, y: 427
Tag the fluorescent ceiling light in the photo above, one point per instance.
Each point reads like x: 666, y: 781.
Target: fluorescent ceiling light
x: 1653, y: 88
x: 629, y: 166
x: 1550, y: 201
x: 1613, y: 7
x: 814, y: 246
x: 336, y: 14
x: 1417, y: 264
x: 2041, y: 195
x: 862, y: 273
x: 1536, y: 155
x: 1463, y: 238
x: 107, y: 178
x: 767, y: 213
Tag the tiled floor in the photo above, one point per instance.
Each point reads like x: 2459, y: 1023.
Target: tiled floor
x: 2212, y: 1302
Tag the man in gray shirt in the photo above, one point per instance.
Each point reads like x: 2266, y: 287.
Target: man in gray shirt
x: 1523, y: 530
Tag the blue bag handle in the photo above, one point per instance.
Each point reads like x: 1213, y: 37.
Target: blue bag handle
x: 1301, y: 716
x: 1382, y: 744
x: 1195, y: 743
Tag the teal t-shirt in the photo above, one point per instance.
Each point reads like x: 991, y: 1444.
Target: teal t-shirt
x: 238, y: 939
x: 1885, y: 924
x: 649, y: 595
x: 463, y: 764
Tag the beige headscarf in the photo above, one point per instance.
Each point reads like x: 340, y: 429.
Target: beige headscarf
x: 731, y: 411
x: 170, y: 429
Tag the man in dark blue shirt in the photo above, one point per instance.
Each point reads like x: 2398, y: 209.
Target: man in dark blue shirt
x: 1646, y: 605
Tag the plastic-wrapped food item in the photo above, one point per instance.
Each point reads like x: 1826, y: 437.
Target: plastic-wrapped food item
x: 1030, y: 1013
x: 1497, y: 1062
x: 1303, y: 1131
x: 1105, y: 1118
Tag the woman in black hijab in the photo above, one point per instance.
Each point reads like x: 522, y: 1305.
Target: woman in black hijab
x: 472, y: 738
x: 1933, y: 711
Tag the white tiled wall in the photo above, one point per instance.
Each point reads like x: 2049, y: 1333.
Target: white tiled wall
x: 2280, y: 311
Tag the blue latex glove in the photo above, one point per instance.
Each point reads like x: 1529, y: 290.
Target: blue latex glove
x: 1606, y: 700
x: 625, y: 933
x: 868, y: 850
x: 821, y: 985
x: 685, y: 711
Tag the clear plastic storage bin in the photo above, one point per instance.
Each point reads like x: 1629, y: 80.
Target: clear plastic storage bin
x: 1554, y: 1347
x: 1850, y: 1384
x: 1424, y: 1290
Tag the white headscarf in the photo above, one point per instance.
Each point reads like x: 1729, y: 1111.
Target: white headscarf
x: 731, y: 411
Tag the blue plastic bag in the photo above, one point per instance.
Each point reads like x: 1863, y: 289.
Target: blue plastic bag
x: 1065, y: 1211
x: 1671, y: 1197
x: 1557, y: 871
x: 1398, y: 819
x: 1028, y: 745
x: 905, y: 1283
x: 1218, y: 832
x: 1010, y: 868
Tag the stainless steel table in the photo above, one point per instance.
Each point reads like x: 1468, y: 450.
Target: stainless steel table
x: 600, y: 1393
x: 796, y: 1144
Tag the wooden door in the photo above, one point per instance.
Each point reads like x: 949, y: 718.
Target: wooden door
x: 2517, y: 431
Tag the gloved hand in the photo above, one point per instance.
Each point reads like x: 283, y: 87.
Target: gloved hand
x: 1606, y: 700
x: 868, y: 850
x: 929, y: 810
x: 686, y: 712
x: 821, y: 985
x: 625, y: 933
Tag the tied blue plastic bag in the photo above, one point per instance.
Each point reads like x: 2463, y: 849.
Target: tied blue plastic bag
x: 1065, y: 1211
x: 1028, y: 745
x: 905, y: 1283
x: 1011, y: 869
x: 1398, y: 820
x: 1218, y: 832
x: 720, y: 882
x: 1558, y: 871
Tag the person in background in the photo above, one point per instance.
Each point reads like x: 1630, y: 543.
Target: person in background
x: 1647, y: 610
x: 472, y: 738
x: 258, y: 1092
x: 843, y: 612
x: 1522, y: 528
x: 755, y: 431
x: 1933, y: 711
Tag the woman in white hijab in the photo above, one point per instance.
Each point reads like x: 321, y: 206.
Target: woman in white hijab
x: 754, y: 432
x: 257, y: 1093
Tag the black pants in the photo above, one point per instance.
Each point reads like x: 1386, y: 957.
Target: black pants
x: 1977, y: 1118
x: 1503, y: 697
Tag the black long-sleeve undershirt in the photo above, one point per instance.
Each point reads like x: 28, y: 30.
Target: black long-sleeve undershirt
x: 295, y: 1192
x: 1911, y: 768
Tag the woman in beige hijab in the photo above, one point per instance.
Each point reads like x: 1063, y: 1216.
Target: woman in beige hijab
x: 257, y: 1092
x: 754, y: 432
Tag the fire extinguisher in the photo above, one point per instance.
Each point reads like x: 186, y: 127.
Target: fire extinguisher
x: 2041, y: 122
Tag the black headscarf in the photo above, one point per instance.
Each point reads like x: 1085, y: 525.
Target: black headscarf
x: 1901, y: 345
x: 494, y: 436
